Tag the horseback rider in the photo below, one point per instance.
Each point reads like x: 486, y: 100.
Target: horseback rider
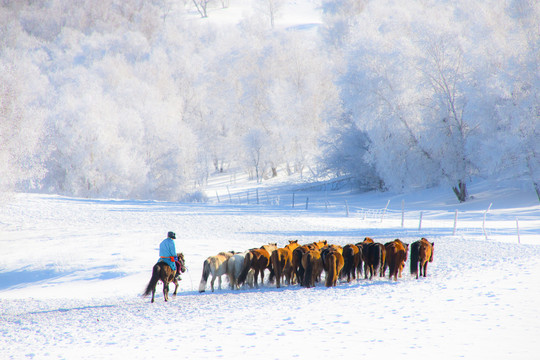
x: 168, y: 255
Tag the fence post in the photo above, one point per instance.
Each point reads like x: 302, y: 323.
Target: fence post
x: 420, y: 222
x: 347, y: 208
x: 484, y: 222
x: 455, y: 223
x: 402, y: 213
x: 307, y: 202
x: 293, y: 200
x: 384, y: 210
x: 517, y: 227
x: 217, y: 195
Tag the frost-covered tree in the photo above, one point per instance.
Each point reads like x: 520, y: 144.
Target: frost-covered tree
x: 23, y: 94
x: 422, y: 86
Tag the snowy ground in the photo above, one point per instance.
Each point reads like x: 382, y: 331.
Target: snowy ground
x: 72, y: 271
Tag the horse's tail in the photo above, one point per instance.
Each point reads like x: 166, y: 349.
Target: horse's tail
x: 277, y: 266
x: 382, y: 255
x: 415, y: 256
x: 245, y: 269
x: 297, y: 264
x: 153, y: 281
x: 308, y: 270
x: 348, y: 256
x: 205, y: 274
x: 332, y: 270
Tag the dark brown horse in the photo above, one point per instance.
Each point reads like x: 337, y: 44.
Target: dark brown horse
x: 258, y: 260
x: 374, y: 256
x: 396, y: 255
x: 421, y: 253
x: 162, y: 271
x: 297, y: 255
x: 333, y: 262
x: 352, y: 256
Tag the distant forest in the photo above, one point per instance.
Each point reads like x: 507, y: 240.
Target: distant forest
x: 144, y: 100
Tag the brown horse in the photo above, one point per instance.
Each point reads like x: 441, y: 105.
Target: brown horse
x: 368, y: 240
x: 332, y: 263
x: 162, y: 271
x: 396, y: 255
x: 352, y: 257
x: 312, y: 264
x: 374, y: 256
x: 270, y: 247
x: 282, y: 262
x: 258, y: 260
x: 421, y: 253
x: 297, y: 266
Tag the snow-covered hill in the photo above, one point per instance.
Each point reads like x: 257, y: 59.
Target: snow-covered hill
x: 72, y: 271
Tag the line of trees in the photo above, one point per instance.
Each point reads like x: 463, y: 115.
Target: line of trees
x: 126, y: 98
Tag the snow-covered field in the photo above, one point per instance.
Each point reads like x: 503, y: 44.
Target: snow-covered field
x: 72, y: 271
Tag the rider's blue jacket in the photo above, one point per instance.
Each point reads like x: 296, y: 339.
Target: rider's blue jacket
x: 167, y: 249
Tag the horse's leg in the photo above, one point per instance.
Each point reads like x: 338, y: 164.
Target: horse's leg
x: 175, y: 286
x: 425, y: 268
x: 255, y: 276
x: 212, y: 282
x: 153, y: 294
x: 166, y: 290
x: 219, y: 282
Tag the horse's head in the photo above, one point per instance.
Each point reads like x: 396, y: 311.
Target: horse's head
x: 182, y: 262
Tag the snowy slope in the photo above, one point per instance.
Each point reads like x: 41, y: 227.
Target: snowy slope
x: 72, y: 271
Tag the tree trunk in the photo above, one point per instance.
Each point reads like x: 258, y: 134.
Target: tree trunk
x: 461, y: 191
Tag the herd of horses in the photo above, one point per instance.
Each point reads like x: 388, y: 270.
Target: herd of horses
x: 305, y: 264
x: 302, y: 264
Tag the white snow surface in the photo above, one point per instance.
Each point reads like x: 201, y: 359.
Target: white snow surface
x: 72, y: 272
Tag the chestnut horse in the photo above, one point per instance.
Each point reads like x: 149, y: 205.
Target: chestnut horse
x: 332, y: 263
x: 162, y: 271
x: 421, y: 252
x: 282, y: 262
x: 217, y: 266
x: 396, y: 255
x: 352, y: 257
x: 374, y: 256
x: 312, y: 264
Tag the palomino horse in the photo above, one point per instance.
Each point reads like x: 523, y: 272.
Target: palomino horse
x: 282, y: 262
x: 396, y: 255
x: 215, y: 265
x: 162, y: 271
x: 258, y: 260
x: 374, y: 257
x: 312, y: 264
x: 421, y: 252
x: 352, y: 256
x: 333, y: 262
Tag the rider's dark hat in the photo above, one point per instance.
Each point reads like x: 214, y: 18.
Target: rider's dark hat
x: 171, y: 235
